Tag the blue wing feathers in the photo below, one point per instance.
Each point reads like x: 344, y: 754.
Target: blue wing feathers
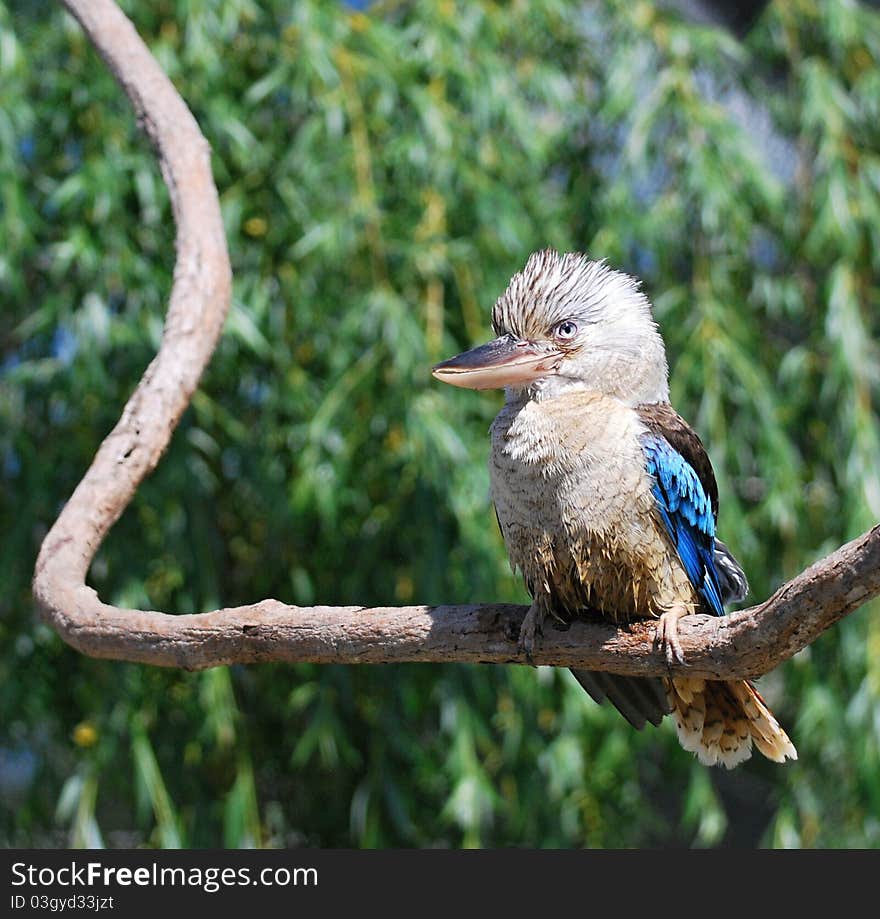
x: 686, y: 512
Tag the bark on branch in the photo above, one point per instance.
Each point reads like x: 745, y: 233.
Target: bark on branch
x: 744, y: 644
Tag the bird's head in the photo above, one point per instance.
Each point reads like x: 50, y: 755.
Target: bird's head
x: 566, y: 322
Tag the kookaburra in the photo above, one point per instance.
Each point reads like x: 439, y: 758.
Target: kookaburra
x: 605, y: 496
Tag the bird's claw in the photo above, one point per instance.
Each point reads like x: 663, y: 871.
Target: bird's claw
x: 530, y: 629
x: 667, y: 636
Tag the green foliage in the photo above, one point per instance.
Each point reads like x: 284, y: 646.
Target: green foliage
x: 382, y: 174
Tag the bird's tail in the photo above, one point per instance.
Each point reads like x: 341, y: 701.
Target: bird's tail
x: 720, y: 720
x: 638, y: 699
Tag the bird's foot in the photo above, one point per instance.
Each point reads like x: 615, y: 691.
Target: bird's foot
x: 667, y: 635
x: 530, y: 629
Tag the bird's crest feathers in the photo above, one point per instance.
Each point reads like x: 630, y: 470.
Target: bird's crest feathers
x: 553, y: 287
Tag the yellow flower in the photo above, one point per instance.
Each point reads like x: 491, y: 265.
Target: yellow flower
x: 256, y: 226
x: 85, y: 734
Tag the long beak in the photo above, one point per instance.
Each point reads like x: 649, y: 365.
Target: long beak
x: 505, y: 361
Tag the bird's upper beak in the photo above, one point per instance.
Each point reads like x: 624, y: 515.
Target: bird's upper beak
x: 505, y: 361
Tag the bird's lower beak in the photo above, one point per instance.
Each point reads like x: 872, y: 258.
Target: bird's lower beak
x: 506, y: 361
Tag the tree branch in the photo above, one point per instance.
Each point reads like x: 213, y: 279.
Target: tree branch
x: 744, y: 644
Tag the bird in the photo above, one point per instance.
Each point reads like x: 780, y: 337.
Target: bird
x: 605, y: 496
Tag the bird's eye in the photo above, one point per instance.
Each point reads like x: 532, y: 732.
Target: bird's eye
x: 567, y: 329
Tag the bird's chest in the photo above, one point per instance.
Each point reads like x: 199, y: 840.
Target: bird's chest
x: 574, y: 499
x: 568, y: 466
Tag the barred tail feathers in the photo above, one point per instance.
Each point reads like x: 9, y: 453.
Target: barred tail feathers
x: 719, y: 721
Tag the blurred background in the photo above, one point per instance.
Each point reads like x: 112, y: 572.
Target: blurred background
x: 383, y: 169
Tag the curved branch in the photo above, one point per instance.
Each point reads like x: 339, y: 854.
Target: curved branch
x: 744, y: 644
x: 747, y: 643
x: 198, y: 304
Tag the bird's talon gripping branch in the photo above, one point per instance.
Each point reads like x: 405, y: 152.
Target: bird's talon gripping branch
x: 667, y: 636
x: 529, y: 631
